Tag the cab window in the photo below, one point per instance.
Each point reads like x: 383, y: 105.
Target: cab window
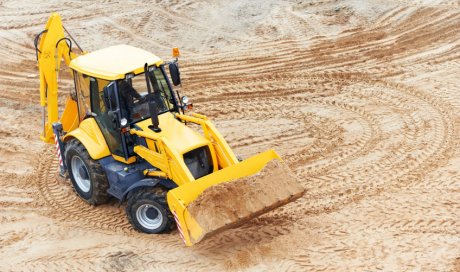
x: 97, y: 95
x: 83, y: 95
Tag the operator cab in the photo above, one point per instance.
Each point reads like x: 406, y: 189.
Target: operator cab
x: 118, y: 86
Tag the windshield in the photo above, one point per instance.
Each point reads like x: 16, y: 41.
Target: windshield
x: 134, y: 96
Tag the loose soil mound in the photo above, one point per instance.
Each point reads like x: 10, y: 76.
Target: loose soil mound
x: 232, y: 203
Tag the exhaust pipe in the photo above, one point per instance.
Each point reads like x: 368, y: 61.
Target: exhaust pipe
x: 154, y: 116
x: 153, y: 109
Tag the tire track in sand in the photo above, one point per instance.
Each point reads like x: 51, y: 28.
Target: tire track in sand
x: 65, y: 205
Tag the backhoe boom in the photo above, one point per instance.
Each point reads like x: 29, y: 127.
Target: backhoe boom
x: 53, y: 47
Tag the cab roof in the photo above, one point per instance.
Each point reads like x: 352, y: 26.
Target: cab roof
x: 114, y: 62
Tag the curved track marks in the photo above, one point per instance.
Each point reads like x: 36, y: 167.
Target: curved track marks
x: 361, y: 102
x: 67, y: 206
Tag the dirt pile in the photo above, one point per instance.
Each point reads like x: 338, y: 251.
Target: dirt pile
x: 232, y: 203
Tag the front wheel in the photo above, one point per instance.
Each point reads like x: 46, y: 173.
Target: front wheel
x: 87, y: 176
x: 148, y: 212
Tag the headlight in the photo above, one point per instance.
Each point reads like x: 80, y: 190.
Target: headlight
x: 123, y: 122
x: 185, y: 100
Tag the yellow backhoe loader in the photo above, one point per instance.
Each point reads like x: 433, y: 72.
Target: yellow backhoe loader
x: 124, y: 133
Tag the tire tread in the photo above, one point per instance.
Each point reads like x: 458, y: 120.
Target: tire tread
x: 99, y: 181
x: 156, y: 194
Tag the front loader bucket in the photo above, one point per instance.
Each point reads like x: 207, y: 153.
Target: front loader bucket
x: 232, y: 196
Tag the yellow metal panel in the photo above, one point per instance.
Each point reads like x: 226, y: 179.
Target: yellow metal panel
x: 114, y: 62
x: 157, y: 160
x: 153, y: 173
x: 181, y: 138
x: 91, y: 137
x: 173, y: 163
x: 121, y: 159
x: 69, y: 118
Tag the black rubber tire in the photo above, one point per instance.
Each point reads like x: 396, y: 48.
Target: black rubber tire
x: 98, y: 180
x: 154, y: 196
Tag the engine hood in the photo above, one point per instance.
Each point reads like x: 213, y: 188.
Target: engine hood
x: 181, y: 137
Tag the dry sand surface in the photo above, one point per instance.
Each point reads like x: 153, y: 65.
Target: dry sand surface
x: 361, y: 99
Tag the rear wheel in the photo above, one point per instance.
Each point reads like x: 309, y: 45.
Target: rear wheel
x: 87, y: 176
x: 148, y: 211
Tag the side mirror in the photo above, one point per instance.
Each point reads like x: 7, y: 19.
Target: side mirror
x: 174, y: 72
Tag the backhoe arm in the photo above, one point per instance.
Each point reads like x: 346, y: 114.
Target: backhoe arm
x: 53, y: 47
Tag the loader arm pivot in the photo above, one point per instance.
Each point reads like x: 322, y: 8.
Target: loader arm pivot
x: 52, y: 47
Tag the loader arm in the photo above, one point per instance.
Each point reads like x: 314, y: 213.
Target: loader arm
x: 52, y: 48
x: 225, y: 155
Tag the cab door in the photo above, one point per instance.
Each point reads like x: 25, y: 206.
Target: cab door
x: 105, y: 108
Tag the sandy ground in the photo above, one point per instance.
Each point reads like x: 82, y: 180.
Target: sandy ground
x: 361, y: 98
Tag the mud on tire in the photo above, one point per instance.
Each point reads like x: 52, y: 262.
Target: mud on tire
x: 148, y: 211
x: 90, y: 181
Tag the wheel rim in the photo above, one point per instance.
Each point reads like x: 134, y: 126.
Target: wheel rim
x: 149, y: 216
x: 80, y: 174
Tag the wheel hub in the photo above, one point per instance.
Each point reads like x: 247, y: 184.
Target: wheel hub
x: 151, y: 213
x: 83, y: 173
x: 149, y: 216
x: 80, y: 174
